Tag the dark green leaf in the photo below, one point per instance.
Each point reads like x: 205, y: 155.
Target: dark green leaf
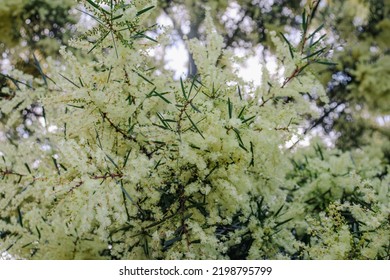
x: 315, y: 53
x: 313, y: 44
x: 144, y: 11
x: 92, y: 16
x: 211, y: 171
x: 98, y: 140
x: 81, y: 82
x: 75, y: 106
x: 290, y: 47
x: 28, y: 168
x: 283, y: 222
x: 164, y: 122
x: 143, y: 77
x: 39, y: 232
x: 20, y: 218
x: 161, y: 95
x: 304, y: 22
x: 278, y: 211
x: 248, y: 119
x: 230, y: 108
x: 252, y: 163
x: 99, y: 41
x: 158, y: 163
x: 126, y: 158
x: 193, y: 107
x: 239, y: 92
x: 18, y: 105
x: 112, y: 161
x: 114, y: 42
x: 109, y: 75
x: 241, y: 112
x: 182, y: 89
x: 56, y: 165
x: 194, y: 125
x: 70, y: 81
x: 96, y: 6
x: 240, y: 143
x: 315, y: 31
x: 146, y: 246
x: 170, y: 242
x: 39, y: 69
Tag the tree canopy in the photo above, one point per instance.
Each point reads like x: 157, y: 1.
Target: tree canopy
x: 105, y: 155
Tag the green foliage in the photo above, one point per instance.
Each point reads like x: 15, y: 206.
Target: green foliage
x: 130, y: 164
x: 345, y: 199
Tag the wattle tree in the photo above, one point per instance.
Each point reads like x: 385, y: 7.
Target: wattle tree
x: 125, y: 162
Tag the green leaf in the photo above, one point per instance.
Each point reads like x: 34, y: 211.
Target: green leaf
x: 44, y: 115
x: 182, y: 89
x: 193, y: 107
x: 158, y: 164
x: 150, y: 94
x: 109, y: 75
x: 230, y: 108
x: 325, y: 62
x: 38, y: 66
x: 139, y: 35
x: 96, y: 6
x: 320, y: 51
x: 313, y: 44
x: 92, y: 16
x: 241, y: 112
x: 56, y: 165
x: 20, y: 217
x: 315, y: 31
x: 282, y: 223
x: 99, y: 41
x: 240, y: 143
x: 112, y: 161
x: 211, y: 171
x: 164, y: 121
x: 15, y: 81
x: 143, y: 77
x: 252, y: 163
x: 18, y: 105
x: 278, y: 211
x: 113, y: 40
x: 194, y: 125
x: 192, y: 85
x: 131, y: 126
x: 81, y: 82
x: 290, y: 47
x: 314, y: 10
x: 144, y: 11
x: 75, y: 106
x: 98, y: 140
x: 38, y: 231
x: 28, y: 168
x: 304, y: 22
x: 70, y: 81
x: 146, y: 246
x: 117, y: 17
x: 126, y: 158
x: 239, y: 92
x: 318, y: 150
x: 170, y: 242
x: 126, y: 193
x: 248, y: 119
x: 161, y: 95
